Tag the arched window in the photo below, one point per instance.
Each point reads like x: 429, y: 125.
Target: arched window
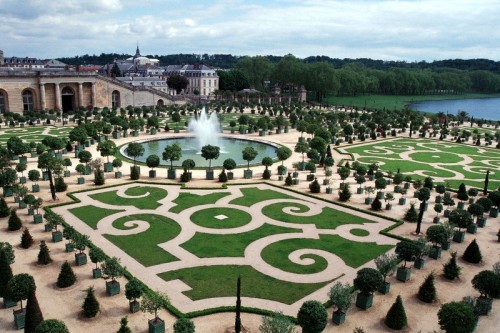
x: 160, y: 102
x: 27, y: 100
x: 3, y: 101
x: 115, y: 99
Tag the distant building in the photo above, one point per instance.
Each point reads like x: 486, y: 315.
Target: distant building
x: 202, y: 79
x: 29, y: 63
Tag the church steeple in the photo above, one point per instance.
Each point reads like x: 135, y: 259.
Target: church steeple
x: 137, y: 51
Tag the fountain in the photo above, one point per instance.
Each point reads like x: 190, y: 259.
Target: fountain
x: 206, y: 129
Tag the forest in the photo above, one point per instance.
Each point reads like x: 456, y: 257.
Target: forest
x: 323, y: 76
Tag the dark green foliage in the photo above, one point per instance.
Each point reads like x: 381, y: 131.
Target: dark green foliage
x: 14, y: 221
x: 4, y: 208
x: 288, y: 180
x: 184, y: 325
x: 376, y: 204
x: 344, y: 193
x: 396, y: 317
x: 472, y: 253
x: 314, y: 186
x: 134, y: 173
x: 427, y: 291
x: 124, y: 326
x: 185, y: 177
x: 266, y: 174
x: 34, y: 315
x: 19, y: 287
x: 5, y: 273
x: 487, y: 283
x: 66, y: 276
x: 44, y: 254
x: 411, y: 214
x: 460, y: 218
x: 407, y: 250
x: 451, y: 270
x: 90, y: 304
x: 495, y: 198
x: 457, y: 317
x: 51, y: 326
x: 26, y: 239
x: 223, y: 176
x: 437, y: 234
x: 368, y: 280
x: 312, y: 317
x: 429, y: 183
x: 60, y: 185
x: 99, y: 177
x: 237, y: 321
x: 133, y: 289
x: 486, y: 203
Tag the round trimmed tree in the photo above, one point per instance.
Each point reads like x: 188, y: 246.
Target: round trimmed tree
x: 312, y: 317
x: 51, y: 326
x: 457, y: 317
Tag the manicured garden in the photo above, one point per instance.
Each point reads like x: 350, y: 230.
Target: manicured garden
x: 444, y: 162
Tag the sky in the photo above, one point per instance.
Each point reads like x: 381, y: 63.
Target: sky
x: 408, y: 30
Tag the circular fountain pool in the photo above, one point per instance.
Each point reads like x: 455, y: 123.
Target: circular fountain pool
x: 229, y: 148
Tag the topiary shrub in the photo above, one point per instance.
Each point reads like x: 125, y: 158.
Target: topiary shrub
x: 99, y: 177
x: 396, y: 317
x: 344, y: 193
x: 14, y: 221
x: 266, y: 174
x: 427, y: 291
x: 312, y: 317
x: 314, y: 187
x: 376, y: 204
x: 411, y: 214
x: 368, y: 280
x: 135, y: 173
x: 288, y: 180
x: 34, y: 314
x: 4, y: 208
x: 184, y: 325
x: 90, y: 304
x: 223, y: 176
x: 60, y: 185
x: 487, y: 283
x: 457, y: 317
x: 51, y: 326
x: 44, y: 254
x: 26, y: 239
x: 66, y: 276
x: 451, y: 270
x: 472, y: 253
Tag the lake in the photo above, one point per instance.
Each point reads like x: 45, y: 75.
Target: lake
x: 486, y: 108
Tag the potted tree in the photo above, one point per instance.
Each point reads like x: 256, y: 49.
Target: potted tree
x: 341, y: 297
x: 423, y: 251
x: 438, y: 208
x: 96, y: 256
x: 37, y: 204
x: 117, y: 164
x: 229, y: 164
x: 380, y: 185
x: 487, y: 283
x: 494, y: 197
x: 437, y: 235
x: 462, y: 220
x: 386, y: 265
x: 107, y: 149
x: 210, y: 153
x: 249, y: 154
x: 85, y: 157
x: 67, y: 163
x: 18, y: 289
x: 68, y: 233
x: 29, y: 200
x: 369, y: 190
x: 8, y: 178
x: 440, y: 189
x: 34, y: 176
x: 133, y: 291
x: 153, y: 161
x: 80, y: 168
x: 172, y: 153
x: 111, y: 268
x: 406, y: 250
x: 267, y: 162
x: 283, y: 153
x: 367, y: 281
x: 472, y: 192
x: 54, y: 220
x: 134, y: 150
x: 21, y: 167
x: 80, y: 242
x: 477, y: 211
x: 151, y: 303
x: 360, y: 179
x: 388, y: 198
x: 7, y: 257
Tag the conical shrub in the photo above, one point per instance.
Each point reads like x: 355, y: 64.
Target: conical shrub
x: 427, y: 291
x: 4, y: 208
x: 411, y: 214
x: 472, y: 253
x: 124, y: 326
x: 451, y: 270
x: 66, y: 276
x: 34, y: 315
x: 5, y: 273
x: 44, y: 254
x: 26, y: 239
x: 90, y: 304
x: 396, y: 317
x: 14, y: 221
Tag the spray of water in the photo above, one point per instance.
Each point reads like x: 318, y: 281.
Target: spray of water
x: 206, y: 129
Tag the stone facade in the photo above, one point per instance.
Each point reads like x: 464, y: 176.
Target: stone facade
x: 71, y: 90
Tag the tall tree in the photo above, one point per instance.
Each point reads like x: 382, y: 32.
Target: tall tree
x: 34, y: 315
x: 237, y: 321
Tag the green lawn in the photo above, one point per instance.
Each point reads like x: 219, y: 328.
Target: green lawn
x: 205, y: 245
x: 328, y: 219
x: 234, y: 218
x: 220, y: 281
x: 354, y: 254
x: 253, y: 195
x: 143, y: 246
x: 91, y: 215
x: 394, y: 102
x: 148, y: 202
x: 444, y: 154
x: 359, y: 232
x: 188, y: 200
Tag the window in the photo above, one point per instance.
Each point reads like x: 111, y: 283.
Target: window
x: 209, y: 83
x: 3, y: 102
x: 115, y: 99
x: 27, y: 100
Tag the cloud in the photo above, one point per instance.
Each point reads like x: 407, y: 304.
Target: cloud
x: 403, y: 30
